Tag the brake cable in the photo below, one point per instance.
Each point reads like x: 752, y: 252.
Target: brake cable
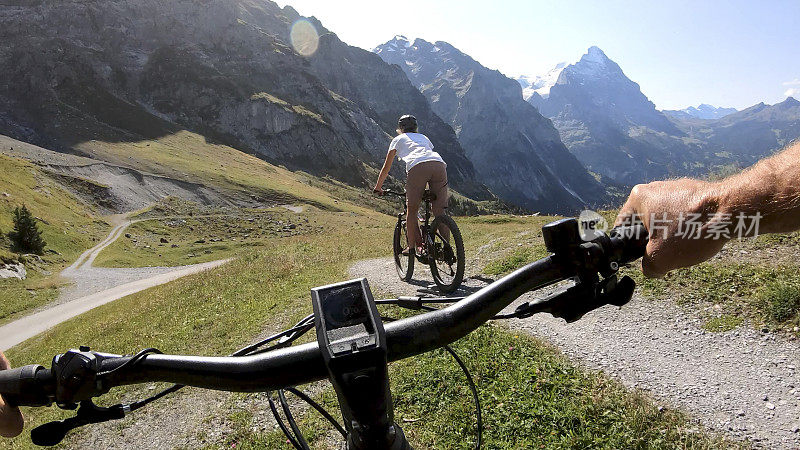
x: 286, y: 338
x: 470, y: 382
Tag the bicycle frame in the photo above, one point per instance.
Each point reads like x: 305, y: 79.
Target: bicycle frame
x: 424, y: 226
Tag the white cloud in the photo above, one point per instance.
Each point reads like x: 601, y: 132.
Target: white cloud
x: 795, y: 82
x: 793, y: 92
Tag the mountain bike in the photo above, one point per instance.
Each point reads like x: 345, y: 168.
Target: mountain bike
x: 352, y: 349
x: 444, y: 247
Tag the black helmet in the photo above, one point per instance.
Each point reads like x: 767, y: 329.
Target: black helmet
x: 407, y: 123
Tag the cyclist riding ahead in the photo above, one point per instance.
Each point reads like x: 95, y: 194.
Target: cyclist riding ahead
x: 423, y: 167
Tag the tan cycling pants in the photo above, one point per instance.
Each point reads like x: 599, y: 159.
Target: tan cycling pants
x: 434, y: 175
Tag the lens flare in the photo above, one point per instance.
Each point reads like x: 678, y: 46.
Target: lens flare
x: 304, y: 37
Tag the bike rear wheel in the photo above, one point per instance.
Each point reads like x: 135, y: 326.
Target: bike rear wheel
x: 446, y: 254
x: 403, y: 263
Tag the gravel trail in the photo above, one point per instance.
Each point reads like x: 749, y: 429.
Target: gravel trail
x: 92, y: 287
x: 742, y: 382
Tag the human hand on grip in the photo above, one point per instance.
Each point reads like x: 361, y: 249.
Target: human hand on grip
x: 660, y: 206
x: 10, y: 417
x: 766, y: 194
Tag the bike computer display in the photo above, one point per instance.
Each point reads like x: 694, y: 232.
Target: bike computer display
x: 347, y: 320
x: 352, y: 341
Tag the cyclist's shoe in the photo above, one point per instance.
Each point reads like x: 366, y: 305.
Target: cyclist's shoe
x: 421, y: 254
x: 406, y: 251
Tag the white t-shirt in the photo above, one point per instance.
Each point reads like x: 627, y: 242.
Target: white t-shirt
x: 414, y: 148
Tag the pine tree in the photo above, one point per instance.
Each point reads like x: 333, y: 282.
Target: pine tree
x: 26, y: 235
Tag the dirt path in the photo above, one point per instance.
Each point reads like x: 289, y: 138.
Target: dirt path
x: 740, y: 382
x: 94, y: 286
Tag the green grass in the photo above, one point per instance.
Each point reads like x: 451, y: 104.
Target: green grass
x: 777, y: 240
x: 18, y: 297
x: 197, y: 238
x: 722, y: 323
x: 68, y: 225
x: 782, y: 299
x: 514, y: 260
x: 766, y: 294
x: 501, y: 233
x: 532, y: 396
x: 215, y: 312
x: 187, y: 156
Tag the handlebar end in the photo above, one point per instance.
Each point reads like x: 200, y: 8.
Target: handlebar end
x: 27, y: 386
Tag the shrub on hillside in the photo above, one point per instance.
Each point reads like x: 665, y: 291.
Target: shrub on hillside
x: 26, y: 236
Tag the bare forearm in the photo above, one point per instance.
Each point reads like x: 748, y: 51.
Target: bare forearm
x: 387, y: 165
x: 763, y: 199
x: 383, y: 175
x: 769, y: 189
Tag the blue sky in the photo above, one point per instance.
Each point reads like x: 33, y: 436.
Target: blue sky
x: 682, y: 53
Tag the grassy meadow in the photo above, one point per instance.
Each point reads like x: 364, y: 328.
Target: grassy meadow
x: 68, y: 225
x: 531, y: 394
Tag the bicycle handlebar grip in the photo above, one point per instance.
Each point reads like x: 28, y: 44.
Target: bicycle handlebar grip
x: 631, y: 241
x: 27, y: 386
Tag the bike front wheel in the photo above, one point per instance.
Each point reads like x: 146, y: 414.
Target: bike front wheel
x: 446, y: 254
x: 403, y: 263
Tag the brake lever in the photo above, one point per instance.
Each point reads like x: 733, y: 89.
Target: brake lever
x: 88, y: 413
x: 573, y: 303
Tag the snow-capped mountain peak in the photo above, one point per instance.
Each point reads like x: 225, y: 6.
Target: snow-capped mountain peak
x: 540, y: 84
x: 594, y: 54
x: 399, y: 42
x: 595, y: 64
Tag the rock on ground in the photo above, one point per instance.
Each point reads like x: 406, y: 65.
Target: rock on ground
x: 13, y: 270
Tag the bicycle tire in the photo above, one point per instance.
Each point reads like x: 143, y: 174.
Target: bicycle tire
x: 398, y: 243
x: 437, y: 253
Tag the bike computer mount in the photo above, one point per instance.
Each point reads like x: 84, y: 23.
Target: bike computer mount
x: 353, y: 344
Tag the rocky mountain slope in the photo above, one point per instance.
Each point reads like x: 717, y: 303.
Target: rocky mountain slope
x: 515, y: 150
x: 703, y: 111
x: 616, y: 131
x: 612, y: 127
x: 750, y: 134
x: 84, y: 73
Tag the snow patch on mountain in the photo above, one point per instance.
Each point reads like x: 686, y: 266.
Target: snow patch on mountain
x: 594, y: 63
x: 399, y: 42
x: 540, y: 84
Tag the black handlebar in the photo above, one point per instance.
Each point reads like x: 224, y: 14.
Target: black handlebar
x: 571, y: 258
x: 395, y: 193
x: 31, y: 385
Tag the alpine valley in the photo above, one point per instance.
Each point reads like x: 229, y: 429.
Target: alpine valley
x: 153, y: 91
x: 601, y: 116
